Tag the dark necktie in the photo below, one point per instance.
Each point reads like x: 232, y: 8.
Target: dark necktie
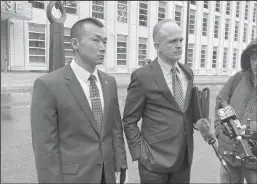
x: 177, y: 89
x: 96, y: 102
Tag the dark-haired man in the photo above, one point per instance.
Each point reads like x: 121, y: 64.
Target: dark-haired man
x: 77, y: 133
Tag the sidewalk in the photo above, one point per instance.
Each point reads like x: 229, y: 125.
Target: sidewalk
x: 23, y: 82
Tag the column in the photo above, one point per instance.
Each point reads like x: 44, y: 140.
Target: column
x: 132, y: 36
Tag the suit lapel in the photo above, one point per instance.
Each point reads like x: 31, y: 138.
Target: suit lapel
x: 106, y: 95
x: 189, y: 86
x: 161, y: 82
x: 77, y: 91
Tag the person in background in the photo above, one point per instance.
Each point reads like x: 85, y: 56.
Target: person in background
x: 240, y: 93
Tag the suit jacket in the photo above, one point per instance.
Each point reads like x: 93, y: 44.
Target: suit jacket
x: 165, y: 128
x: 66, y: 144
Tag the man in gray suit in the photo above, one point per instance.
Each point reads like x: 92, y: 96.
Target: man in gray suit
x: 160, y: 94
x: 77, y: 133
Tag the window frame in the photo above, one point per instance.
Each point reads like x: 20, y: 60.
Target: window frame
x: 203, y: 48
x: 227, y: 26
x: 234, y: 58
x: 37, y: 40
x: 236, y: 31
x: 67, y: 7
x: 216, y: 31
x: 96, y: 12
x: 145, y: 15
x: 214, y: 60
x: 177, y: 8
x: 119, y: 17
x: 225, y: 58
x: 228, y: 8
x: 205, y: 28
x: 191, y: 47
x: 192, y: 30
x: 161, y: 7
x: 35, y: 3
x: 245, y: 36
x: 125, y: 37
x: 142, y: 41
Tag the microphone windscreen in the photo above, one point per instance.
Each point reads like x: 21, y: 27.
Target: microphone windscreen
x: 205, y: 130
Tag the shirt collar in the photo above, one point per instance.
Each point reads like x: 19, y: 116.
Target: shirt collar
x: 81, y: 72
x: 167, y: 67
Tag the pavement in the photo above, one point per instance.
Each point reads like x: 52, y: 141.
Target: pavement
x: 23, y: 81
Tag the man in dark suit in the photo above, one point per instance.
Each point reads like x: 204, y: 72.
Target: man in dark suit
x: 160, y: 94
x: 77, y: 132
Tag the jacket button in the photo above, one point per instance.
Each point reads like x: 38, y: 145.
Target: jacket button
x: 98, y: 165
x: 185, y: 133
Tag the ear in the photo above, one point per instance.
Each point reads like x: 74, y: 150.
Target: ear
x: 157, y: 46
x: 74, y: 43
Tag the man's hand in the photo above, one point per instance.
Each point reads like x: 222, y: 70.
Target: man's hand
x: 196, y: 125
x: 121, y: 176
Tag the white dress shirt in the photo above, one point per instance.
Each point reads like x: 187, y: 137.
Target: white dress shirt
x: 166, y: 70
x: 82, y: 76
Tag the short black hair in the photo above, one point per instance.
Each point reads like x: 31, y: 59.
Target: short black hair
x: 74, y: 32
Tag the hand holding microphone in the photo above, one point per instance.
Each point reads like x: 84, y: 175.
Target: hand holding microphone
x: 204, y: 127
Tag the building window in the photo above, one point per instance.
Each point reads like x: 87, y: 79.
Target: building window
x: 37, y: 43
x: 206, y: 4
x: 203, y: 56
x: 236, y: 31
x: 68, y: 52
x: 121, y: 50
x: 190, y: 55
x: 178, y: 14
x: 214, y: 57
x: 246, y: 10
x: 253, y: 32
x: 245, y: 33
x: 38, y: 4
x: 161, y: 10
x: 216, y: 27
x: 143, y: 12
x: 142, y: 48
x: 193, y: 2
x: 70, y: 6
x: 227, y: 29
x: 234, y: 58
x: 254, y: 12
x: 228, y: 8
x: 205, y: 24
x: 225, y: 57
x: 98, y: 9
x: 122, y: 10
x: 237, y: 9
x: 217, y: 8
x: 192, y: 22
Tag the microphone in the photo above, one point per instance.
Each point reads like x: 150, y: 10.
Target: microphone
x: 204, y: 128
x: 228, y: 117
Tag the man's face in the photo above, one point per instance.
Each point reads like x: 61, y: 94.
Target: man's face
x: 170, y: 45
x: 253, y: 60
x: 91, y: 44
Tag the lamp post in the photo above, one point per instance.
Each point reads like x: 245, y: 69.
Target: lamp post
x: 187, y: 30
